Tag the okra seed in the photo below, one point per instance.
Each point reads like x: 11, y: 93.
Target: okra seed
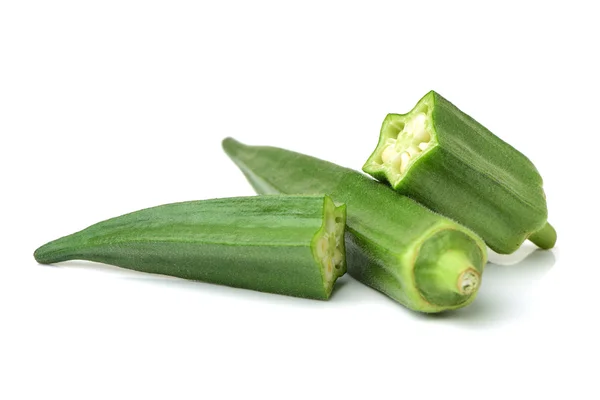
x: 396, y: 161
x: 338, y: 257
x: 322, y: 246
x: 422, y: 136
x: 416, y: 124
x: 419, y: 121
x: 388, y: 153
x: 405, y: 160
x: 413, y: 150
x: 412, y: 139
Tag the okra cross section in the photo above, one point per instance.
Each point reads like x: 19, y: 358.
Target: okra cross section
x: 291, y: 245
x: 447, y: 161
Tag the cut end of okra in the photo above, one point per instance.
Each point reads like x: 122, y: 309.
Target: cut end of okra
x: 403, y: 141
x: 328, y: 245
x: 443, y: 158
x: 448, y: 269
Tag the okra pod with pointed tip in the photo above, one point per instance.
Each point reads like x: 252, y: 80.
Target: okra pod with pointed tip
x: 289, y: 245
x: 423, y: 260
x: 447, y: 161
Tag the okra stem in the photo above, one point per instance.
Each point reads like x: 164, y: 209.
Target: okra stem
x: 545, y: 238
x: 445, y: 269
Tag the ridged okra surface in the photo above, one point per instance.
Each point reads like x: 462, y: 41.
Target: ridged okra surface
x: 291, y: 245
x: 447, y: 161
x: 420, y: 259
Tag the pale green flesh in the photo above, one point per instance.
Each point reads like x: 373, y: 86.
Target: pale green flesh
x: 404, y: 140
x: 328, y: 244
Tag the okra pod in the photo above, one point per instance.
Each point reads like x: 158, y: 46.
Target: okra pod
x: 423, y: 260
x: 447, y: 161
x: 292, y: 245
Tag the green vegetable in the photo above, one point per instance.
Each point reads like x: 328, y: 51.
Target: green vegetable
x: 422, y: 260
x: 447, y: 161
x: 290, y: 245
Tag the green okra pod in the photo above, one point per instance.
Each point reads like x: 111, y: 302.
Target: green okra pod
x: 423, y: 260
x: 447, y: 161
x: 290, y: 245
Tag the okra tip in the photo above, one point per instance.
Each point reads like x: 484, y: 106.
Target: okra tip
x: 229, y: 144
x: 545, y: 238
x: 54, y: 251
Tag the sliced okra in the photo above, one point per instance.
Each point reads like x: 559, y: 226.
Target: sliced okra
x: 292, y: 245
x: 447, y: 161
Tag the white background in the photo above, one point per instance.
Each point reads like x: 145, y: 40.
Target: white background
x: 113, y: 106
